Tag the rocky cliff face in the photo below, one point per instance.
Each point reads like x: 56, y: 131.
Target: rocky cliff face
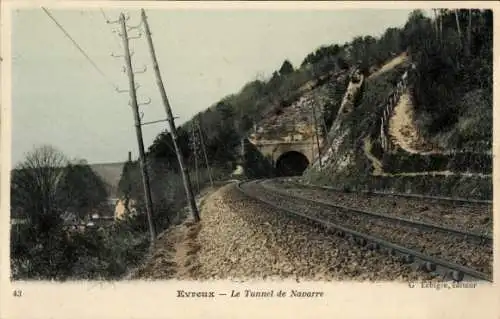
x: 305, y: 117
x: 293, y: 123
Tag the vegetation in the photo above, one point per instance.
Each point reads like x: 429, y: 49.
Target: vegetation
x: 286, y: 68
x: 49, y: 196
x: 225, y: 123
x: 46, y: 185
x: 52, y: 203
x: 454, y: 73
x: 453, y: 94
x: 404, y: 162
x: 167, y: 190
x: 454, y: 86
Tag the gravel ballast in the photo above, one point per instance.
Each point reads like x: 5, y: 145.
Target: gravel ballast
x: 465, y: 217
x: 433, y: 243
x: 243, y: 239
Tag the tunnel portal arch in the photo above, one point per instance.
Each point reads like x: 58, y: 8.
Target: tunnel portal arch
x: 291, y: 163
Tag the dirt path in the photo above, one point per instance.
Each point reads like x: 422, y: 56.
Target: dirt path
x: 376, y: 163
x: 390, y: 65
x: 175, y: 249
x: 403, y: 131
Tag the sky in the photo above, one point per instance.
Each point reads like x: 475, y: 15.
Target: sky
x: 58, y: 97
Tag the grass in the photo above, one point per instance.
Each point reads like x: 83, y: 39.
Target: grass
x: 458, y: 162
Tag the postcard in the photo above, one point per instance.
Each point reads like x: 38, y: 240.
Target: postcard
x: 171, y: 159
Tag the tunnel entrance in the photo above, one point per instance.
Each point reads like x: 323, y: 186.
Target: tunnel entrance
x: 291, y: 164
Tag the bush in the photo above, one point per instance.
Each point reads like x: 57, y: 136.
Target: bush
x: 50, y: 196
x: 450, y: 68
x: 105, y: 253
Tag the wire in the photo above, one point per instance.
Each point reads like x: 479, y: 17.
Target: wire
x: 104, y: 15
x: 79, y: 48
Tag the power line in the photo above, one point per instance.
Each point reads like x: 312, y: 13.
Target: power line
x: 79, y: 48
x: 104, y: 15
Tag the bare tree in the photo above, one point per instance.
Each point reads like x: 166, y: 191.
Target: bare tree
x: 440, y: 17
x: 37, y: 185
x: 457, y: 20
x: 46, y: 186
x: 469, y: 34
x: 436, y: 26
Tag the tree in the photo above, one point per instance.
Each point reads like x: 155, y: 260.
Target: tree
x: 226, y: 115
x: 286, y: 68
x: 45, y: 188
x: 459, y: 30
x: 342, y: 63
x: 274, y: 83
x: 245, y: 123
x: 37, y: 188
x: 323, y: 52
x: 451, y: 66
x: 129, y: 186
x: 85, y: 188
x: 417, y: 30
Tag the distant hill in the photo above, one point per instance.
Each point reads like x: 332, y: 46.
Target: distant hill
x: 110, y: 173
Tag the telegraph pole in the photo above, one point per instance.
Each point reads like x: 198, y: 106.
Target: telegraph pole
x: 195, y: 154
x: 138, y: 130
x: 205, y: 153
x: 170, y: 119
x: 316, y: 131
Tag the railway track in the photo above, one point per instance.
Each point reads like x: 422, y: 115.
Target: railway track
x: 393, y: 194
x: 359, y: 226
x: 470, y: 236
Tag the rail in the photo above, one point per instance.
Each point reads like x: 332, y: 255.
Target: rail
x: 483, y: 239
x: 395, y: 194
x: 450, y: 270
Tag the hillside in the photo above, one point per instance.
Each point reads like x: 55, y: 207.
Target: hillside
x: 393, y: 141
x: 420, y: 119
x: 110, y: 174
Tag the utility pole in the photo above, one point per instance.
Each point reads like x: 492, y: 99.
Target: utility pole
x: 170, y: 119
x: 316, y: 131
x: 194, y: 141
x: 138, y: 130
x: 205, y: 153
x: 325, y: 129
